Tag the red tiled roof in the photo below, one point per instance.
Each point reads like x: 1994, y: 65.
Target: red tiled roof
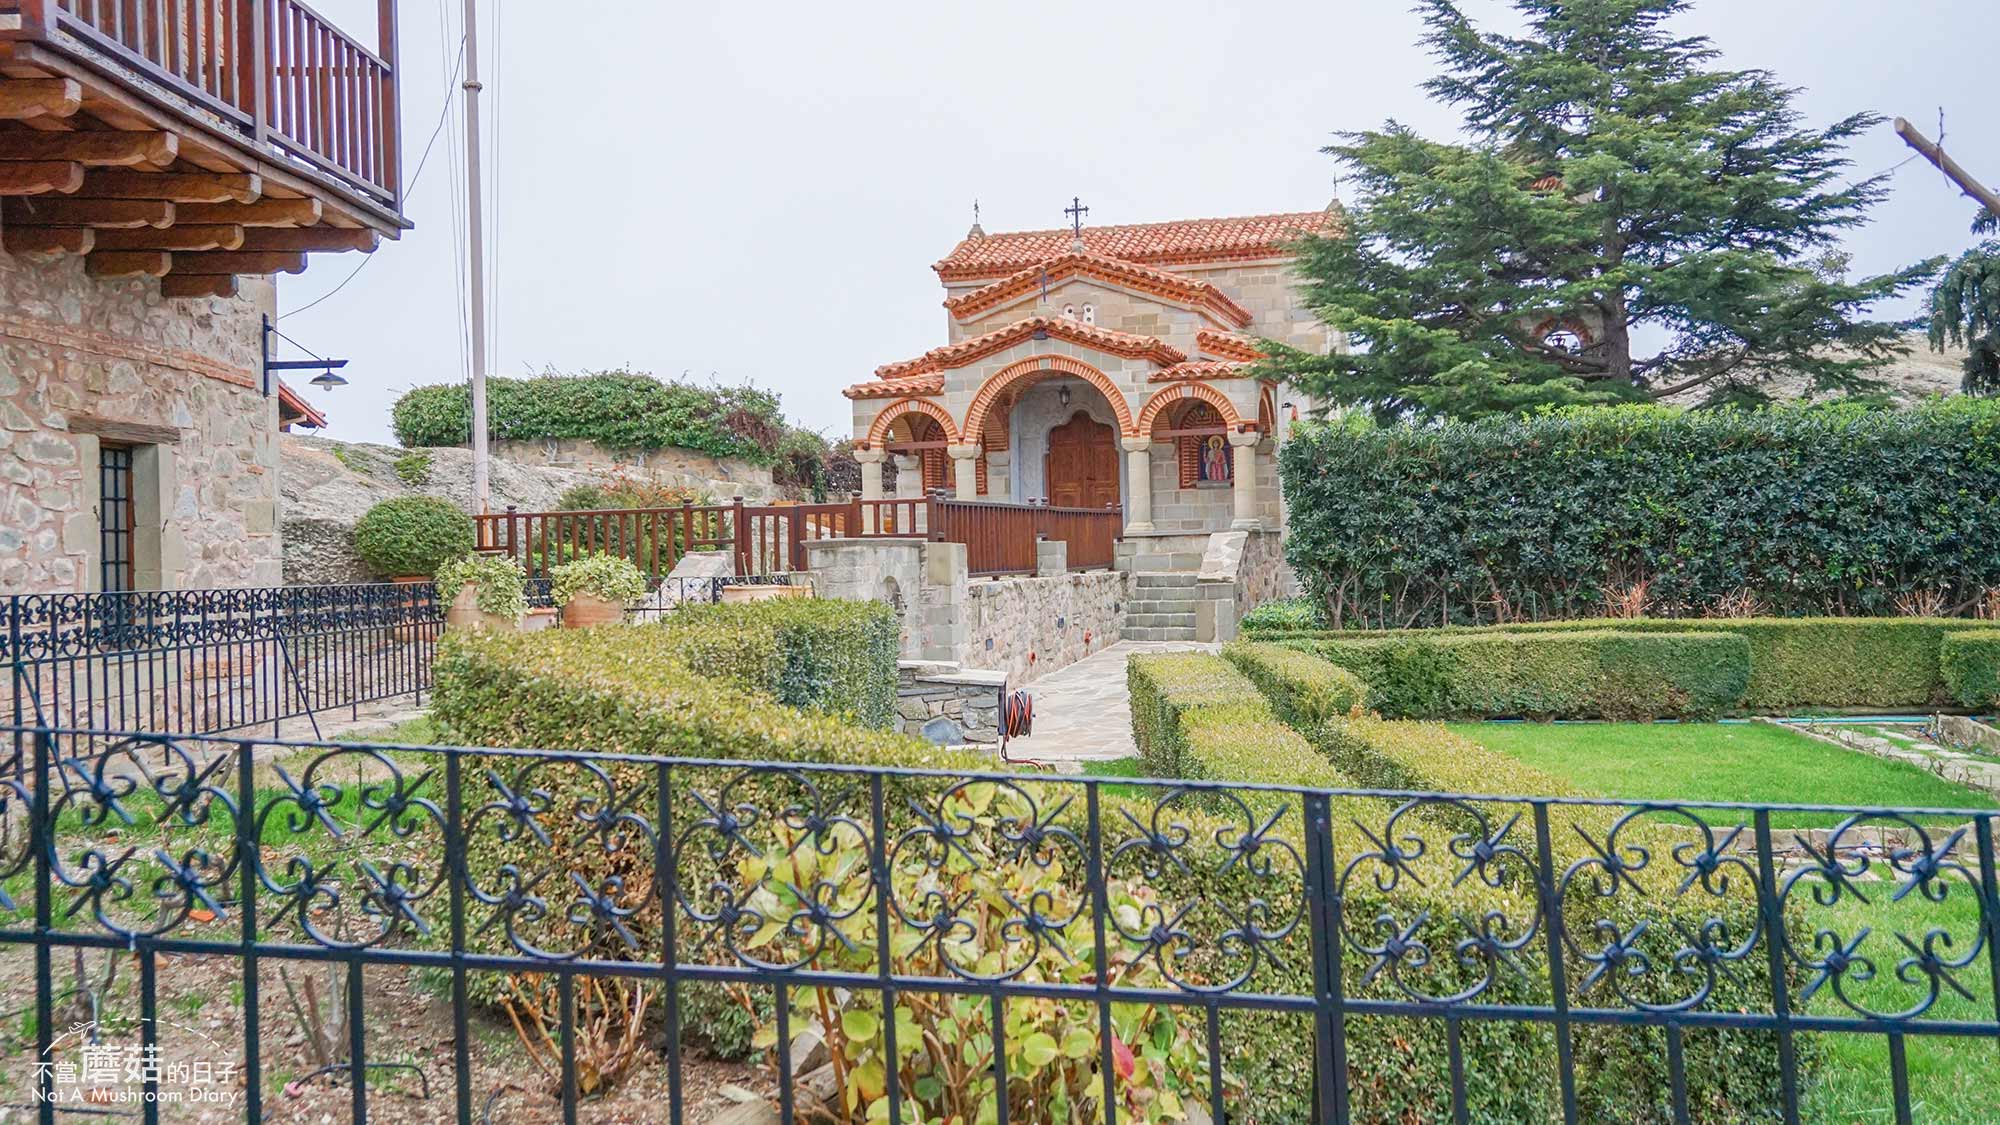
x: 1547, y: 183
x: 296, y: 411
x: 1202, y: 369
x: 978, y: 347
x: 1226, y: 345
x: 896, y: 388
x: 1173, y: 286
x: 1182, y: 242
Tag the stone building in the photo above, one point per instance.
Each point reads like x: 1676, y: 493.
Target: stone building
x: 153, y: 187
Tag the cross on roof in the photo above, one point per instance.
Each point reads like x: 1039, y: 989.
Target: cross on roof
x: 1076, y: 211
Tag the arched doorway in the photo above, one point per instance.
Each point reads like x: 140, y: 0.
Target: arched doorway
x: 1082, y: 464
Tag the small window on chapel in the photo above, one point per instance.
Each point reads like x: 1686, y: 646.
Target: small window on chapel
x: 1069, y: 312
x: 1090, y: 314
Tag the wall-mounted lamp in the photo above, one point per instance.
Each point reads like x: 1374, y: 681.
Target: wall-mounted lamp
x: 325, y: 380
x: 1062, y: 395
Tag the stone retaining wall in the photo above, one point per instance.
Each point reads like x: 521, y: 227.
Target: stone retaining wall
x: 948, y: 705
x: 719, y: 479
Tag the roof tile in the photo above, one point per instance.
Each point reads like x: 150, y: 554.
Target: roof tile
x: 1183, y: 242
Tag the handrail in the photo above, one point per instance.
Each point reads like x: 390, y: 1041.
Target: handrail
x: 275, y: 71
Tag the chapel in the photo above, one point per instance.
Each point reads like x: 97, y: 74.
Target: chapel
x: 1104, y: 366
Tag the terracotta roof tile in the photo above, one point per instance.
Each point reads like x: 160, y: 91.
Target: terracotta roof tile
x: 978, y: 347
x: 896, y: 388
x: 1202, y: 369
x: 294, y: 410
x: 1226, y: 345
x: 1182, y: 242
x: 1175, y: 287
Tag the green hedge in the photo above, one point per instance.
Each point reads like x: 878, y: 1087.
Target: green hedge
x: 1434, y: 674
x: 1303, y: 689
x: 828, y: 655
x: 1825, y: 510
x: 1796, y: 663
x: 412, y: 535
x: 616, y: 409
x: 1970, y: 662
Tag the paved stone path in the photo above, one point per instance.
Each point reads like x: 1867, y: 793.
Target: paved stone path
x: 1082, y: 713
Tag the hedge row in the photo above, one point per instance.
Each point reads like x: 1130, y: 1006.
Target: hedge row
x: 1596, y: 674
x: 1825, y: 510
x: 828, y: 655
x: 1796, y: 663
x: 617, y: 409
x: 1194, y: 716
x: 1302, y: 689
x: 1970, y: 663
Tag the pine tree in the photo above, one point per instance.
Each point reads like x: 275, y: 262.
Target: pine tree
x: 1965, y: 309
x: 1623, y: 221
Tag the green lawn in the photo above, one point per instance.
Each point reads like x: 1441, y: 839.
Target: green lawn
x: 1751, y: 762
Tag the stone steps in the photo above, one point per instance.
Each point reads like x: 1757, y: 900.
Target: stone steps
x: 1170, y: 633
x: 1162, y: 606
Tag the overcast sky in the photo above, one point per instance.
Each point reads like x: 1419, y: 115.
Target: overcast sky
x: 755, y: 192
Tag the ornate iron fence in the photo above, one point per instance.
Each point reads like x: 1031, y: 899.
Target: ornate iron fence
x: 1048, y: 947
x: 212, y: 660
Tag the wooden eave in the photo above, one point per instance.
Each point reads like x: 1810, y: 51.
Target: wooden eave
x: 217, y: 181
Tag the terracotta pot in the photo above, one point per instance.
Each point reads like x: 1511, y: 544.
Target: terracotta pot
x: 585, y: 610
x: 465, y: 614
x: 539, y: 619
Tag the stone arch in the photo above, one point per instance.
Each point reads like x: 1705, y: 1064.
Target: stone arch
x: 1181, y: 392
x: 878, y: 431
x: 1037, y: 367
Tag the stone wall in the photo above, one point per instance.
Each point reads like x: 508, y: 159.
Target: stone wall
x: 1262, y: 574
x: 947, y: 705
x: 85, y: 362
x: 718, y: 478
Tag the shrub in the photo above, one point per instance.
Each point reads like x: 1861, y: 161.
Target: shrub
x: 1164, y: 685
x: 1795, y: 662
x: 414, y: 469
x: 826, y: 655
x: 1303, y: 689
x: 1823, y: 510
x: 1283, y: 613
x: 501, y: 581
x: 1550, y: 674
x: 412, y: 535
x: 1971, y: 666
x: 610, y: 577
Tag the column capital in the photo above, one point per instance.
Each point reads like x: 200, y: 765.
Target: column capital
x: 871, y: 456
x: 1139, y: 444
x: 963, y: 452
x: 1251, y: 437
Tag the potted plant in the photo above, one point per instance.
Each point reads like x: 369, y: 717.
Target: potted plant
x: 596, y: 589
x: 408, y: 538
x: 482, y: 592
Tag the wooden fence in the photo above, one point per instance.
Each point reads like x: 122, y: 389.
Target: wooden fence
x: 770, y: 539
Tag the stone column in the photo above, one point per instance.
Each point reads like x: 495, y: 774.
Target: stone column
x: 909, y: 477
x: 999, y: 470
x: 1138, y: 483
x: 964, y: 470
x: 1244, y: 488
x: 871, y: 482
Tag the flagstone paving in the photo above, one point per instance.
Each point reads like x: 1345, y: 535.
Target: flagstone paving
x: 1082, y: 712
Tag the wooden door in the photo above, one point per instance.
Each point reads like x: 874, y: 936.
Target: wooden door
x: 1082, y: 466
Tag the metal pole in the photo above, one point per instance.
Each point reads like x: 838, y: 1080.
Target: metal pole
x: 476, y: 258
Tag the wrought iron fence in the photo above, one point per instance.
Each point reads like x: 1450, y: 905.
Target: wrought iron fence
x: 1046, y: 947
x: 207, y: 661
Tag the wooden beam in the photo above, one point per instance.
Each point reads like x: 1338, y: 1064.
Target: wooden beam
x: 182, y: 237
x: 23, y: 99
x: 198, y: 285
x: 240, y: 262
x: 40, y: 177
x: 1985, y: 196
x: 179, y: 187
x: 111, y: 214
x: 128, y: 263
x: 314, y: 239
x: 111, y: 149
x: 263, y: 213
x: 48, y: 240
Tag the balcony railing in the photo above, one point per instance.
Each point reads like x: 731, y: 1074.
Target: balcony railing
x: 275, y: 72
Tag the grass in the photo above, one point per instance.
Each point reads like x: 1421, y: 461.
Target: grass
x: 1750, y: 762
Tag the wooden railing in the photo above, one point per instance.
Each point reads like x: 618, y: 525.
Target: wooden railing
x: 275, y: 71
x: 771, y: 539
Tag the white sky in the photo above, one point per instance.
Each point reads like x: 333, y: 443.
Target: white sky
x: 757, y: 191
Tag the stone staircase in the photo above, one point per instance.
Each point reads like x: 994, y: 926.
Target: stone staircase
x: 1163, y: 607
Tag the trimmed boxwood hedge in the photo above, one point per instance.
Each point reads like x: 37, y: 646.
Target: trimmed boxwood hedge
x: 1606, y: 674
x: 1303, y: 689
x: 828, y: 655
x: 1970, y: 662
x: 1796, y: 663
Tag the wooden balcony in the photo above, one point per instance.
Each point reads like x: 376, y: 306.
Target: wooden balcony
x: 195, y: 140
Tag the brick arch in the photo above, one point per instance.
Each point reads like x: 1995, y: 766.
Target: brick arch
x: 1035, y: 367
x: 1183, y: 391
x: 878, y: 431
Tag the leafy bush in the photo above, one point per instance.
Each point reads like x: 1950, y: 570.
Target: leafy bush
x: 1971, y: 665
x: 1795, y: 662
x: 1283, y: 613
x: 501, y: 581
x: 1805, y: 511
x: 412, y: 535
x: 1164, y: 685
x: 414, y: 469
x: 1547, y: 674
x: 1303, y: 689
x: 826, y: 655
x: 621, y: 410
x: 610, y: 577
